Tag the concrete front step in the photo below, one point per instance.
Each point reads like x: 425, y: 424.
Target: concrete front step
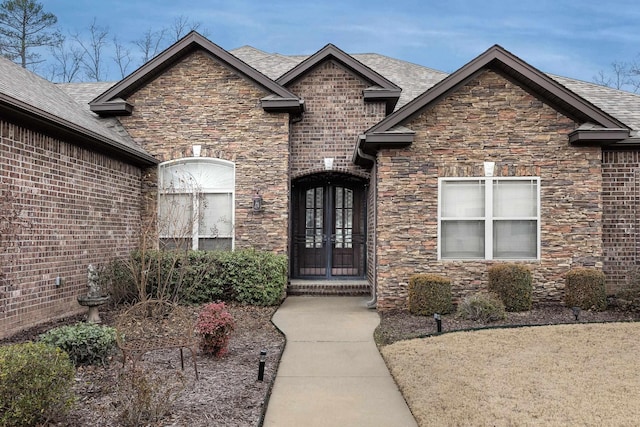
x: 329, y: 288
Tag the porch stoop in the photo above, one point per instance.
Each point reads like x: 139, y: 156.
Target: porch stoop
x: 329, y: 288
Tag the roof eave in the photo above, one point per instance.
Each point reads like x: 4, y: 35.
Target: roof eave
x: 389, y: 96
x: 282, y: 105
x: 598, y: 136
x: 71, y: 132
x: 118, y: 107
x: 370, y: 143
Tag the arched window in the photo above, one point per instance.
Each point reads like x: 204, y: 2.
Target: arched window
x: 195, y: 204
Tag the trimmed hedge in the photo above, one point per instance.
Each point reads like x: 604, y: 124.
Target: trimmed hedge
x: 246, y: 276
x: 429, y: 294
x: 513, y: 284
x: 585, y: 288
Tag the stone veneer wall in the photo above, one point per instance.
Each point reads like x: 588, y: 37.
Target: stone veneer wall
x: 76, y: 207
x: 201, y: 101
x: 488, y: 119
x: 335, y: 114
x: 621, y: 201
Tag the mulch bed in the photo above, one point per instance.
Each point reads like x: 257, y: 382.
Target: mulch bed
x: 403, y: 325
x: 227, y: 394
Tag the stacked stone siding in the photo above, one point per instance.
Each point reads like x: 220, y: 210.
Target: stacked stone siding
x: 488, y: 119
x: 200, y: 101
x: 620, y: 200
x: 75, y: 207
x: 335, y: 115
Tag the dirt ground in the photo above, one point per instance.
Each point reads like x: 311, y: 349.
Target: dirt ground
x: 227, y: 394
x: 403, y: 325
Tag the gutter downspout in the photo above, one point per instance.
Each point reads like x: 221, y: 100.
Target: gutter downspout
x: 373, y: 302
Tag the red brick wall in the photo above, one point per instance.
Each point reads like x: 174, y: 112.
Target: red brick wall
x: 201, y: 101
x: 335, y: 116
x: 77, y: 207
x: 620, y: 204
x: 488, y: 119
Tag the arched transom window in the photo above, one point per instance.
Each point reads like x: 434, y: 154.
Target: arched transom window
x: 195, y: 204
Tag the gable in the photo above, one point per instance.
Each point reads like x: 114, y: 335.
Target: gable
x: 114, y: 100
x: 379, y: 87
x: 597, y: 127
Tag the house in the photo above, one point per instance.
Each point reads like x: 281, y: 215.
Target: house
x: 358, y: 167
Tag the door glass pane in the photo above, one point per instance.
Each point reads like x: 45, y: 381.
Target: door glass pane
x: 515, y: 239
x: 314, y: 218
x: 515, y: 199
x: 462, y: 239
x: 343, y: 218
x: 462, y: 199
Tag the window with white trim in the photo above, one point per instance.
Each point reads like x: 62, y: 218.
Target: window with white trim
x: 196, y: 204
x: 489, y: 218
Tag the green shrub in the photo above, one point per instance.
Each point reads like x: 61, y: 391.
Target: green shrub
x: 35, y: 384
x: 429, y: 294
x: 85, y: 343
x: 257, y: 278
x: 198, y: 277
x: 214, y: 325
x: 513, y: 284
x: 585, y: 288
x: 485, y: 307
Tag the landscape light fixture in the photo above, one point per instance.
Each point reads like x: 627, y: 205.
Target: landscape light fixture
x: 576, y: 312
x: 438, y: 322
x: 262, y: 360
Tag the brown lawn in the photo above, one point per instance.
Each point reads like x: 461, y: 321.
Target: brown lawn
x: 585, y: 374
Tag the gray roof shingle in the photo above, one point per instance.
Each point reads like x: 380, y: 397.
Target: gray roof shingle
x: 415, y: 79
x: 21, y: 87
x: 412, y: 78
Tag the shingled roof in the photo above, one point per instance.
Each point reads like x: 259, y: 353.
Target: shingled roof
x: 30, y: 99
x: 414, y: 80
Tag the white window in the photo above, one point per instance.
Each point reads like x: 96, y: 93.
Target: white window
x: 489, y: 218
x: 195, y: 204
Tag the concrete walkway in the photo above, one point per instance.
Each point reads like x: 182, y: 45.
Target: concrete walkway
x: 331, y: 373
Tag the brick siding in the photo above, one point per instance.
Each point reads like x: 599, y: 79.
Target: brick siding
x: 620, y: 203
x: 77, y: 207
x: 488, y: 119
x: 335, y: 115
x: 199, y: 101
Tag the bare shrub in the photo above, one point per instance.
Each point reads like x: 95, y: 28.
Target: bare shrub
x: 143, y: 397
x: 485, y: 307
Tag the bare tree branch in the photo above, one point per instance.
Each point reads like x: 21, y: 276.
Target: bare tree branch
x: 93, y: 50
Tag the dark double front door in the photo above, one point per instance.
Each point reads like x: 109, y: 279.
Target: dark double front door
x: 329, y: 231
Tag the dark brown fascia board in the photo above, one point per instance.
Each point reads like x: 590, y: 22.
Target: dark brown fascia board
x: 282, y: 105
x: 330, y: 51
x: 491, y: 58
x: 598, y: 136
x: 369, y: 144
x: 389, y: 96
x: 169, y: 56
x: 50, y: 124
x: 112, y: 108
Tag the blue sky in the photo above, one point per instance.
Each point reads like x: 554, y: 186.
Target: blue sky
x: 572, y: 38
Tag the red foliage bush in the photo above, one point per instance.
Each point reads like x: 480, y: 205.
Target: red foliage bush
x: 214, y: 326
